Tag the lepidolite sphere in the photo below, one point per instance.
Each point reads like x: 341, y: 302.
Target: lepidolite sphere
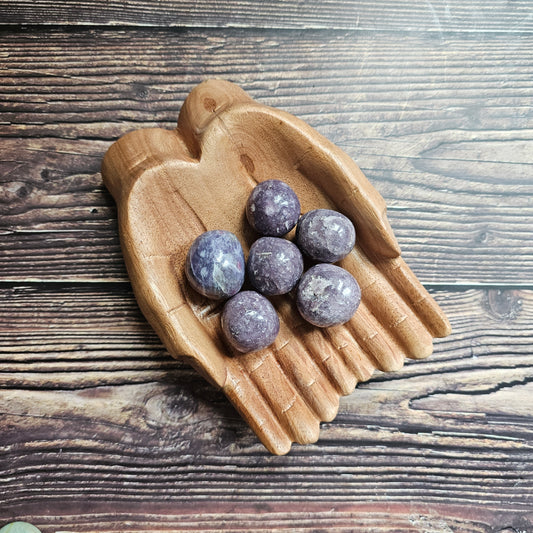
x: 274, y: 265
x: 215, y: 264
x: 327, y: 295
x: 325, y: 235
x: 273, y: 208
x: 249, y: 321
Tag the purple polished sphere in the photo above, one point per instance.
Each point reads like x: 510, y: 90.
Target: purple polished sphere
x: 274, y: 265
x: 249, y: 321
x: 215, y: 264
x: 325, y: 235
x: 327, y: 295
x: 273, y: 208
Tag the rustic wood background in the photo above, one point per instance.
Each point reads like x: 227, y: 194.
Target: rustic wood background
x: 100, y: 430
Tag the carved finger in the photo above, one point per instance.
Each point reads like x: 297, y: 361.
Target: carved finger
x: 396, y: 318
x: 299, y: 365
x: 374, y: 340
x: 416, y: 296
x: 203, y: 104
x: 317, y: 392
x: 251, y: 405
x: 329, y: 355
x: 294, y: 415
x: 318, y: 353
x: 360, y: 363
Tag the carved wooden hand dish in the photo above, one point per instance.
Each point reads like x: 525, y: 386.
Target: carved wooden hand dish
x: 170, y: 186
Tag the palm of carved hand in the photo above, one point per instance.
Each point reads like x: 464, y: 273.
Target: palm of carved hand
x: 170, y: 186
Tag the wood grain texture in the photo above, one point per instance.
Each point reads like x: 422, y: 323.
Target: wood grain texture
x: 171, y: 186
x: 439, y: 126
x: 102, y: 431
x: 435, y: 16
x: 111, y: 420
x: 343, y: 518
x: 297, y: 518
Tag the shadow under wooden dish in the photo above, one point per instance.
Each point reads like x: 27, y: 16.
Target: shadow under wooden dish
x: 171, y: 186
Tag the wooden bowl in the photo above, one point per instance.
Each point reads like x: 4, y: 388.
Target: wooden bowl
x: 170, y: 186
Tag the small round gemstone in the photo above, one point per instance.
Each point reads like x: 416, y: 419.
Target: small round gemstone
x: 325, y: 235
x: 19, y: 527
x: 273, y: 208
x: 274, y: 265
x: 327, y: 295
x: 215, y: 264
x: 249, y: 321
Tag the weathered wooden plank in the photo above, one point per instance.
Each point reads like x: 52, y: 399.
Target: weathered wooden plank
x: 416, y: 516
x: 102, y: 431
x: 52, y: 327
x: 442, y: 128
x: 90, y: 517
x: 100, y: 83
x: 436, y: 16
x: 61, y: 225
x: 93, y: 410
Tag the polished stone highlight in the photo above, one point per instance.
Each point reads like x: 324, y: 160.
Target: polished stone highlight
x: 274, y: 265
x: 273, y: 208
x: 327, y: 295
x: 215, y: 264
x: 325, y: 235
x: 249, y: 321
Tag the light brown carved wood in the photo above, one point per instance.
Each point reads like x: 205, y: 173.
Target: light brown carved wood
x: 170, y: 186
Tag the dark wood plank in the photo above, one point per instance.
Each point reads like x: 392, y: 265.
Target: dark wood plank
x: 96, y: 418
x: 83, y: 318
x: 442, y: 128
x: 100, y: 430
x: 296, y: 517
x: 436, y: 16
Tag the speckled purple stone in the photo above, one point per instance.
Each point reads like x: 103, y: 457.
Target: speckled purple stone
x: 325, y: 235
x: 274, y: 265
x: 249, y: 321
x: 273, y: 208
x: 215, y: 264
x: 327, y: 295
